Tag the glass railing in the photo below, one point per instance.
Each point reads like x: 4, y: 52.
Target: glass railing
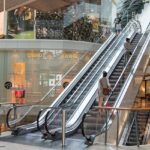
x: 4, y: 107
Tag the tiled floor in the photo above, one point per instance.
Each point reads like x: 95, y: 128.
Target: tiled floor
x: 16, y: 146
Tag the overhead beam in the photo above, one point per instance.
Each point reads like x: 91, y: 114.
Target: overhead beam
x: 44, y: 5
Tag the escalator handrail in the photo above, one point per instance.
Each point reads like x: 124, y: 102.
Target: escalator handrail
x: 65, y: 106
x: 15, y: 121
x: 39, y: 116
x: 47, y: 122
x: 7, y: 118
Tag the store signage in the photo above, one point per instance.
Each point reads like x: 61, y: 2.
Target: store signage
x: 20, y: 93
x: 8, y: 85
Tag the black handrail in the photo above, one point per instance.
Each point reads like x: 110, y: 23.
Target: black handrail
x: 7, y: 118
x: 38, y: 117
x: 9, y: 111
x: 39, y: 127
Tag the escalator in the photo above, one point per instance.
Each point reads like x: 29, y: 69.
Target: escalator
x: 91, y: 124
x: 75, y: 95
x: 95, y: 122
x: 132, y: 135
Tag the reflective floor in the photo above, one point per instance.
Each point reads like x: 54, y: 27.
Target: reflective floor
x: 8, y: 142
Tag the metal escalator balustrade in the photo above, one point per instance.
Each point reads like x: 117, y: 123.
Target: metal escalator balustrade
x: 142, y: 119
x: 62, y: 96
x: 133, y: 63
x: 69, y: 112
x: 117, y: 80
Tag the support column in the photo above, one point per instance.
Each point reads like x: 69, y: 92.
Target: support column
x: 5, y: 18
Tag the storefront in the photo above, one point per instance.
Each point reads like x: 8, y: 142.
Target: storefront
x: 34, y: 72
x: 82, y: 21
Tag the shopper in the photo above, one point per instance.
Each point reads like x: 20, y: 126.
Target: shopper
x: 118, y: 28
x: 117, y: 23
x: 128, y: 49
x: 104, y: 89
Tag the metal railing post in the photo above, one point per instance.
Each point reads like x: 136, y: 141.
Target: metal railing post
x: 63, y: 127
x: 15, y: 112
x: 106, y: 126
x: 137, y: 132
x: 117, y: 138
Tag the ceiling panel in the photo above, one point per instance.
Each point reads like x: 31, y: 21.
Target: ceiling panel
x: 43, y: 5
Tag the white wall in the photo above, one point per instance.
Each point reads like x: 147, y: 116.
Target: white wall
x: 144, y: 18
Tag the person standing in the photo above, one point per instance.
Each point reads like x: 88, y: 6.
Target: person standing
x: 128, y: 49
x: 117, y: 23
x: 19, y: 15
x: 104, y: 88
x: 118, y: 28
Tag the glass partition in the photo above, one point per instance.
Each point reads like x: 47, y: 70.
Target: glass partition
x: 85, y: 20
x: 34, y: 73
